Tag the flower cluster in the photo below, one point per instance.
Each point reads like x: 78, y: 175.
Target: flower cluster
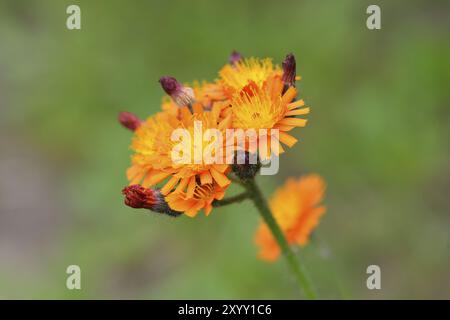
x: 250, y: 93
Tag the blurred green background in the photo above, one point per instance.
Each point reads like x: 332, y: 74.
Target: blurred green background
x: 378, y: 133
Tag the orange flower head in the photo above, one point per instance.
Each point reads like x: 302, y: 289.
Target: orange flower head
x: 267, y: 107
x: 154, y: 146
x: 297, y: 210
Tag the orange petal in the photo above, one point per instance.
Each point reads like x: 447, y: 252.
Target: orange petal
x: 225, y: 123
x: 219, y: 195
x: 197, y: 107
x: 220, y: 178
x: 137, y: 177
x: 205, y: 177
x: 154, y: 177
x: 287, y: 139
x: 169, y: 185
x: 283, y: 128
x: 191, y: 188
x: 297, y: 112
x: 133, y: 171
x: 220, y: 167
x: 185, y: 113
x: 183, y: 183
x: 289, y: 95
x: 192, y: 212
x: 296, y: 104
x: 293, y: 122
x: 181, y: 205
x: 207, y: 209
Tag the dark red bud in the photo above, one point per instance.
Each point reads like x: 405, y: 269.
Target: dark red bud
x: 182, y: 96
x: 129, y: 120
x: 234, y: 57
x: 289, y: 70
x: 139, y: 197
x: 170, y: 85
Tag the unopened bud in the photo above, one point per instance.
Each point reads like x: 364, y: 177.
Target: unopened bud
x: 182, y: 96
x: 136, y: 196
x: 129, y: 120
x: 235, y: 57
x: 289, y: 70
x: 247, y: 170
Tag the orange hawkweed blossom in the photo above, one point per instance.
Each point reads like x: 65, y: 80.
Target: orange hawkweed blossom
x: 297, y: 210
x: 152, y: 161
x: 196, y: 183
x: 267, y: 107
x: 249, y: 94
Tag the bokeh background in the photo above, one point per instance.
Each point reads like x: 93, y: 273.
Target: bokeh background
x: 378, y: 133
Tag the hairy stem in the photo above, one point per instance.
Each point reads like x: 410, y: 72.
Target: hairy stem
x: 237, y: 198
x: 298, y: 270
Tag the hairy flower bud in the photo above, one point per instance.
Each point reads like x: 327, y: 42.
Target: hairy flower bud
x: 182, y: 96
x: 129, y: 120
x: 136, y: 196
x: 246, y: 170
x: 234, y: 57
x: 289, y: 71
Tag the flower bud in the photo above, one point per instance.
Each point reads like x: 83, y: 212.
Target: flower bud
x: 136, y: 196
x: 129, y: 120
x: 289, y: 71
x: 182, y: 96
x: 234, y: 57
x: 246, y: 170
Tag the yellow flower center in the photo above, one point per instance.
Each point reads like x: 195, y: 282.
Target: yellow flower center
x: 252, y: 69
x: 257, y: 110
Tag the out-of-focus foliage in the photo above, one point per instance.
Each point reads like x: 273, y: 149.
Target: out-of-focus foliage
x: 378, y: 133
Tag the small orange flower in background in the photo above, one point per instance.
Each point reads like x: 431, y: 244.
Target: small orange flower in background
x: 296, y: 208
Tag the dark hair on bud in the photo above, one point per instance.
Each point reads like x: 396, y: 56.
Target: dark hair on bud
x: 246, y: 170
x: 289, y: 70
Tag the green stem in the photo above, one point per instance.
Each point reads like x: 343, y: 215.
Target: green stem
x: 238, y: 198
x: 298, y: 270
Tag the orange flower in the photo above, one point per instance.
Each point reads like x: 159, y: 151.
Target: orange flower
x: 198, y: 196
x: 236, y: 76
x: 153, y: 146
x: 296, y: 208
x: 267, y: 107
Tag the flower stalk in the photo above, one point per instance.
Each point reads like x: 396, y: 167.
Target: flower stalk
x: 237, y: 198
x: 298, y: 270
